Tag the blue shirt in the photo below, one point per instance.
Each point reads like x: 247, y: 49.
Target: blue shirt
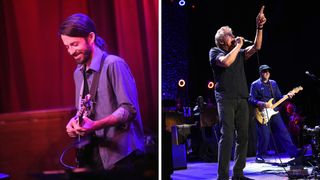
x: 260, y: 91
x: 116, y: 89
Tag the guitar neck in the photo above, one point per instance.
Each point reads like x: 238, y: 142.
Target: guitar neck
x: 279, y: 102
x: 80, y: 114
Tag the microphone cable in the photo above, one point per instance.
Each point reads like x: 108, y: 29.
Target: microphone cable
x: 258, y: 59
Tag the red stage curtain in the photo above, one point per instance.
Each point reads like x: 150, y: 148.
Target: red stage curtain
x: 36, y: 71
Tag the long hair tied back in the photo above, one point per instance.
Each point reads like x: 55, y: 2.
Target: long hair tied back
x: 80, y: 25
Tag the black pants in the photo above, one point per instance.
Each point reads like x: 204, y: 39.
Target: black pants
x: 234, y: 118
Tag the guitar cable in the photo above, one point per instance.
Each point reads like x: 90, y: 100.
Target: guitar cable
x: 67, y: 149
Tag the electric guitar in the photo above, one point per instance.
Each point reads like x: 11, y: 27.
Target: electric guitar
x: 264, y: 115
x: 84, y: 111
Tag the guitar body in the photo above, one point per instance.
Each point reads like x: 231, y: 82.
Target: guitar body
x: 264, y: 115
x: 82, y: 149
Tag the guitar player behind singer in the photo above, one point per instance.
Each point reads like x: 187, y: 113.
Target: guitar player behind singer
x: 261, y: 91
x: 116, y: 126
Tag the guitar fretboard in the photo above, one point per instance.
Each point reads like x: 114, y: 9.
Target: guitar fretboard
x: 280, y: 101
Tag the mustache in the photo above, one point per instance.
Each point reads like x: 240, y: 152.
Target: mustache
x: 76, y: 53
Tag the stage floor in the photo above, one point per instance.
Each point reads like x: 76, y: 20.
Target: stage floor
x: 269, y: 170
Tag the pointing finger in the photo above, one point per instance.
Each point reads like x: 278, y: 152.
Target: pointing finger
x: 261, y: 10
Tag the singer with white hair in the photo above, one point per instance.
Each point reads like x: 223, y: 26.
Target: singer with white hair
x: 231, y: 93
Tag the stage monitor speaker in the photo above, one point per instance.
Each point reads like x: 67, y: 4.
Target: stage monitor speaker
x: 179, y: 154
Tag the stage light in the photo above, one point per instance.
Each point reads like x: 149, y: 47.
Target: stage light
x: 181, y: 83
x: 210, y: 85
x: 182, y: 2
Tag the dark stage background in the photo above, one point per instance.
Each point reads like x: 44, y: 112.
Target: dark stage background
x: 36, y: 70
x: 290, y: 47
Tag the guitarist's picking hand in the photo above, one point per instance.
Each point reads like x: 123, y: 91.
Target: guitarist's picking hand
x: 263, y: 105
x: 268, y: 104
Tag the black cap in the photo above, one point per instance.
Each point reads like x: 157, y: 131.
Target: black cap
x: 264, y: 67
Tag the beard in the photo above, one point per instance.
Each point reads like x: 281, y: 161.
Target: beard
x: 86, y: 55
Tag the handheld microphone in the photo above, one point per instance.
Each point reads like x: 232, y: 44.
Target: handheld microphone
x: 244, y: 40
x: 247, y: 41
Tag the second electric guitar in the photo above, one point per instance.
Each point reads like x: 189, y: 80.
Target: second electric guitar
x: 264, y: 115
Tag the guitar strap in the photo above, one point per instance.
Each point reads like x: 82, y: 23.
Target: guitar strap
x: 85, y: 82
x: 270, y: 86
x: 89, y: 150
x: 94, y: 85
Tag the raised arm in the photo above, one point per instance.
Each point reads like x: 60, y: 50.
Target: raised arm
x: 260, y: 21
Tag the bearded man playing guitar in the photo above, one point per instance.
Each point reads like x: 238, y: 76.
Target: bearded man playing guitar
x: 114, y: 126
x: 263, y: 92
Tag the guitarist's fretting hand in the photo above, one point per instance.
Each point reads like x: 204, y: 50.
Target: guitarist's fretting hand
x: 262, y: 104
x: 71, y: 127
x: 86, y: 128
x: 81, y: 125
x: 290, y: 94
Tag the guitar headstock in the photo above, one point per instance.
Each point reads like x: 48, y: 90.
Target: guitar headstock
x: 297, y: 89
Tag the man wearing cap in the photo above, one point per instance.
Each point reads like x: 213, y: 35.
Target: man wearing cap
x: 261, y: 91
